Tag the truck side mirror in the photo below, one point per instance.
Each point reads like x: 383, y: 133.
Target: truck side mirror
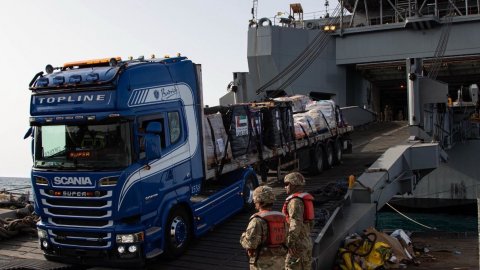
x: 28, y: 133
x: 152, y: 141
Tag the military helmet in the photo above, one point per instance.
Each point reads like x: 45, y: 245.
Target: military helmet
x: 263, y: 194
x: 294, y: 178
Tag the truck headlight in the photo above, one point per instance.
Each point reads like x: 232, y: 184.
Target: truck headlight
x: 45, y: 244
x: 130, y: 238
x: 108, y: 181
x: 132, y: 249
x: 42, y: 234
x: 41, y: 180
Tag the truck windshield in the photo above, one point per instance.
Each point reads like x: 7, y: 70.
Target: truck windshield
x: 82, y: 147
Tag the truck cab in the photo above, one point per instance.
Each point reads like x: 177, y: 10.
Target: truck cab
x: 119, y: 171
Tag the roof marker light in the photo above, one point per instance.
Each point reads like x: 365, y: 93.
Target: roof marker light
x: 42, y: 82
x: 58, y: 80
x: 93, y: 77
x: 75, y: 78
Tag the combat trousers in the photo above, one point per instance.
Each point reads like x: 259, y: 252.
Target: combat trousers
x: 268, y: 263
x: 302, y: 262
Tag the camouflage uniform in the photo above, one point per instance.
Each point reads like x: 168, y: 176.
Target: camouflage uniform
x: 268, y: 258
x: 298, y: 238
x: 255, y: 236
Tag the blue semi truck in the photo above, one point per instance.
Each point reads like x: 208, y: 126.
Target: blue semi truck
x: 119, y: 162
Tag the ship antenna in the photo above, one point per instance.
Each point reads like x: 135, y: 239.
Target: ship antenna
x: 254, y: 10
x: 326, y: 9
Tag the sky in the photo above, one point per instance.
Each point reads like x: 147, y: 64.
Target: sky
x: 36, y: 33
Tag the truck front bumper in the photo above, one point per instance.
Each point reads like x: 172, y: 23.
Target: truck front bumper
x: 109, y: 258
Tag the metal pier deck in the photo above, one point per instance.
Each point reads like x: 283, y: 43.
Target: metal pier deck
x: 220, y: 248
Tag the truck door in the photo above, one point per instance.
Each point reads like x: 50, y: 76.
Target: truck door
x: 181, y: 167
x: 173, y: 169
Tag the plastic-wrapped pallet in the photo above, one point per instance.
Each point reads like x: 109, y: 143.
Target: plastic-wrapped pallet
x: 327, y: 107
x: 302, y: 100
x: 215, y: 143
x: 319, y: 120
x: 304, y: 125
x: 298, y: 102
x: 299, y: 131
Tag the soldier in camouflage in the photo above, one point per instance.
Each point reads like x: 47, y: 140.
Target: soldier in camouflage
x: 265, y: 225
x: 299, y: 242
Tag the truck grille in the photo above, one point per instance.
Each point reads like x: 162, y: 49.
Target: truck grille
x: 78, y: 220
x: 82, y: 242
x: 81, y: 238
x: 82, y: 234
x: 76, y: 203
x: 80, y: 212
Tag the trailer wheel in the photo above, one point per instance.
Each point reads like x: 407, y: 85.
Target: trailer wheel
x: 337, y: 157
x: 316, y: 165
x: 250, y: 184
x: 329, y: 155
x: 178, y: 232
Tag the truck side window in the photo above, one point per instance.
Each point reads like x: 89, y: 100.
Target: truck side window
x: 174, y: 126
x: 141, y: 131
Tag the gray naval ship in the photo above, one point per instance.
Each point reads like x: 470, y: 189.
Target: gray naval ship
x: 411, y: 60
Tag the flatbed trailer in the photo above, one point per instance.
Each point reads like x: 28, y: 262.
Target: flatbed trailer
x: 333, y: 142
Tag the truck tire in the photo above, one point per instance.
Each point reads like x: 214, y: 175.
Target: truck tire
x: 178, y: 232
x: 338, y: 151
x: 250, y: 184
x: 317, y: 160
x: 329, y: 153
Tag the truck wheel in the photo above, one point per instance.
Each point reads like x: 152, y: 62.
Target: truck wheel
x: 329, y: 155
x: 178, y: 233
x: 337, y: 157
x: 316, y: 165
x: 250, y: 184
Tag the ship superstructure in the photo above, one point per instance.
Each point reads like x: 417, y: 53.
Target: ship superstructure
x: 359, y: 55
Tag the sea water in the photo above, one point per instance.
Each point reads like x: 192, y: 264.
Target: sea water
x: 16, y: 185
x: 430, y: 222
